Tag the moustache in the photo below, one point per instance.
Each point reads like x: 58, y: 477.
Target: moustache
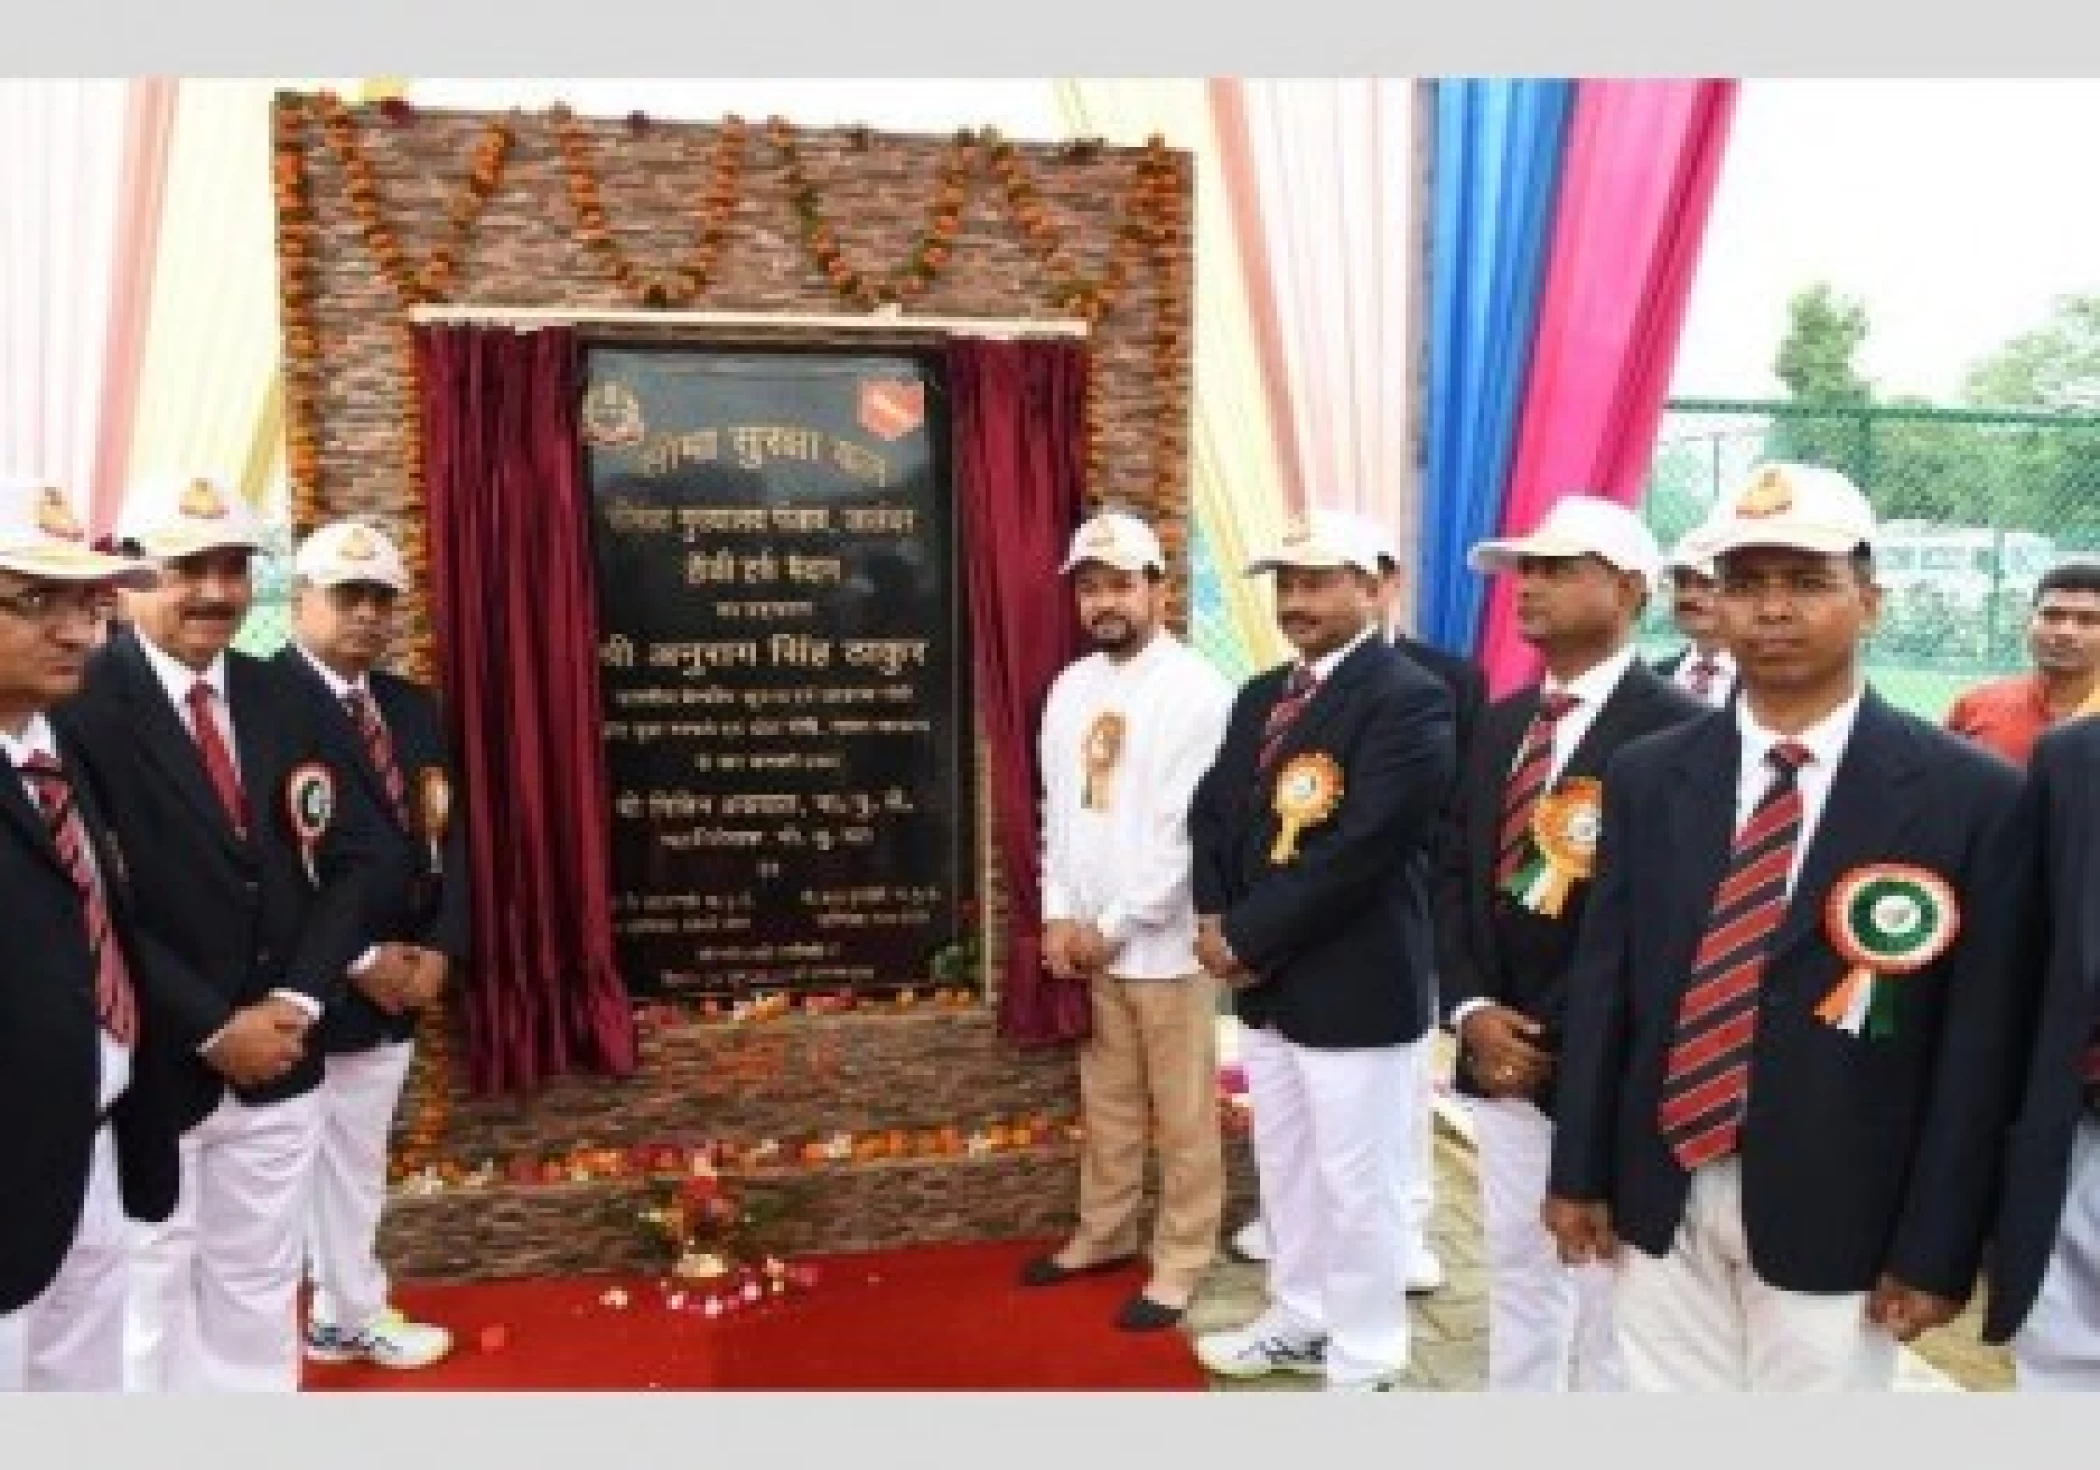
x: 211, y: 610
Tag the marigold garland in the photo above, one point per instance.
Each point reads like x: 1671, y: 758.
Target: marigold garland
x: 432, y: 281
x: 302, y: 346
x: 689, y: 281
x: 936, y: 243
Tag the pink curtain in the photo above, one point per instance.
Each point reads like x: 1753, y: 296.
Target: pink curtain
x: 149, y: 125
x: 82, y: 165
x: 1636, y: 188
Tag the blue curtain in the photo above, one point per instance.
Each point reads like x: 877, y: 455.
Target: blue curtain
x: 1496, y: 174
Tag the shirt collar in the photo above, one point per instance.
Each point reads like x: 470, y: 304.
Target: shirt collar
x: 1594, y: 685
x: 36, y: 739
x: 177, y: 677
x: 1324, y: 666
x: 1825, y: 739
x: 337, y: 684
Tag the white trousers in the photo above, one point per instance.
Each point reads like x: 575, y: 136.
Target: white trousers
x: 1420, y: 1199
x: 1700, y: 1319
x: 214, y: 1289
x: 1332, y: 1148
x: 2057, y: 1349
x: 358, y: 1096
x: 1549, y: 1325
x: 71, y: 1338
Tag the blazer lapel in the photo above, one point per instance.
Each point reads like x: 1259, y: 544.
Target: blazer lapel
x: 1635, y: 688
x: 15, y: 802
x: 1701, y: 827
x: 1500, y: 735
x: 1332, y: 696
x: 353, y: 740
x: 1872, y: 797
x: 165, y: 740
x: 255, y: 748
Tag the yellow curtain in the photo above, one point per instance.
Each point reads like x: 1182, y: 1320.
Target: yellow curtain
x: 210, y: 394
x: 1235, y: 481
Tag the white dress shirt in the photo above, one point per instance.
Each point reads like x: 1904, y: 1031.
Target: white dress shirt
x: 1127, y: 869
x: 36, y: 739
x: 177, y: 677
x: 1826, y: 741
x: 1590, y: 688
x: 1718, y: 686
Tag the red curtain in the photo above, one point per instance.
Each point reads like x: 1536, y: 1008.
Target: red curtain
x: 1017, y: 411
x: 516, y: 622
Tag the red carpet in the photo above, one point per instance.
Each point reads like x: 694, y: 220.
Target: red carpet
x: 935, y: 1317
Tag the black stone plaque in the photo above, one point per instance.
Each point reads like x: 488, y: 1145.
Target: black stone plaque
x: 786, y: 725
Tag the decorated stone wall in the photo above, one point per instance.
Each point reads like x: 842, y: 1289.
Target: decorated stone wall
x: 926, y: 1124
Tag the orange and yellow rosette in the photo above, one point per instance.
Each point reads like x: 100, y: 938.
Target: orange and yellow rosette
x: 1308, y: 789
x: 1565, y: 823
x: 1102, y: 750
x: 1886, y: 920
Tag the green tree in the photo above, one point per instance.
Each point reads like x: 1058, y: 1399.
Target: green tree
x: 2054, y: 366
x: 1818, y: 364
x: 2052, y: 474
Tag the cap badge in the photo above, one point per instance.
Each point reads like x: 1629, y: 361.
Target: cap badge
x: 202, y: 501
x: 54, y: 517
x: 1770, y: 495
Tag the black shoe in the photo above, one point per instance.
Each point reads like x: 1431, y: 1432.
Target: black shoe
x: 1142, y: 1314
x: 1045, y: 1271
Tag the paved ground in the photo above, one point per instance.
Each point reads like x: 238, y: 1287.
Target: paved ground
x: 1450, y: 1328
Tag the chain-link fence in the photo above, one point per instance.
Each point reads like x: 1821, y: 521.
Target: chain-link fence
x: 1975, y: 505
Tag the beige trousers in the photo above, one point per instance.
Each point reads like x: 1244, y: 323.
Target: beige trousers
x: 1149, y: 1074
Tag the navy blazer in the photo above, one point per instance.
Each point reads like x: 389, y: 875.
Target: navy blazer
x: 428, y: 904
x: 224, y: 919
x: 2061, y: 809
x: 50, y: 1049
x: 1859, y: 1155
x: 1340, y: 934
x: 1489, y: 947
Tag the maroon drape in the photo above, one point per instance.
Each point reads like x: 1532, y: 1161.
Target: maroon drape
x: 516, y: 622
x: 1018, y: 421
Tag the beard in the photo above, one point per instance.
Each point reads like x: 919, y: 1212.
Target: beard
x: 1114, y: 633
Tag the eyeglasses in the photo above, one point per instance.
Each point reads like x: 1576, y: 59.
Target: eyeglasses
x: 52, y: 605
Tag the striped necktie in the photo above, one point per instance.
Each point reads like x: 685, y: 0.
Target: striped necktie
x: 1701, y: 679
x: 379, y: 744
x: 218, y: 760
x: 1526, y: 780
x: 114, y: 999
x: 1707, y: 1082
x: 1298, y: 691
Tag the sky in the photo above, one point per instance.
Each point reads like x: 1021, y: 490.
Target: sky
x: 1957, y: 210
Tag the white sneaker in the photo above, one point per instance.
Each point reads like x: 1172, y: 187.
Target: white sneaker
x: 1364, y: 1385
x: 392, y: 1341
x: 1263, y: 1346
x: 1251, y: 1241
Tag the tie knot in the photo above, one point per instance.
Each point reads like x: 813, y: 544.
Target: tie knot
x: 1301, y: 681
x: 357, y: 702
x: 1704, y: 664
x: 1553, y: 706
x: 1788, y: 757
x: 43, y: 764
x: 201, y: 695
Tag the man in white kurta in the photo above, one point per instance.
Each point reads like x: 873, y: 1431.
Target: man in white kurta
x: 1127, y: 732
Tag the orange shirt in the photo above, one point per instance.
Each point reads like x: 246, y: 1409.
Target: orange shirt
x: 2005, y: 715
